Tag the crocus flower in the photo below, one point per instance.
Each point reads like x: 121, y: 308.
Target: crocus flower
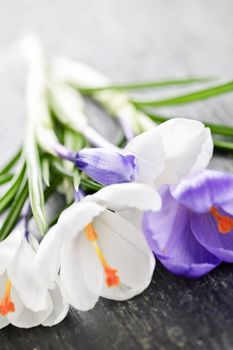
x: 164, y: 155
x: 98, y: 251
x: 106, y: 166
x: 25, y: 302
x: 172, y: 150
x: 193, y: 232
x: 103, y: 165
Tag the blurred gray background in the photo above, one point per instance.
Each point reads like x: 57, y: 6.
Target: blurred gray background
x: 128, y: 40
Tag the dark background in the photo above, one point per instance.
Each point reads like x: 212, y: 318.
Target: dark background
x: 129, y: 41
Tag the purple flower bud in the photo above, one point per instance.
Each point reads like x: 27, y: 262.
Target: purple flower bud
x: 106, y: 166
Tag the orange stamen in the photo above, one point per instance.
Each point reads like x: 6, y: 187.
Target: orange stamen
x: 112, y: 278
x: 225, y: 223
x: 6, y: 304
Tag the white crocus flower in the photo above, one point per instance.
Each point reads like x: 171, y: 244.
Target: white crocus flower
x: 24, y: 301
x: 172, y: 150
x: 97, y: 251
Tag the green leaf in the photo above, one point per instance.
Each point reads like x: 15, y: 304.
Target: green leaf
x: 11, y: 162
x: 77, y: 179
x: 188, y: 97
x: 13, y: 188
x: 143, y: 85
x: 86, y: 183
x: 215, y: 128
x: 58, y: 167
x: 4, y: 178
x: 89, y: 184
x: 55, y: 182
x: 223, y: 146
x: 45, y: 171
x: 15, y: 210
x: 35, y: 183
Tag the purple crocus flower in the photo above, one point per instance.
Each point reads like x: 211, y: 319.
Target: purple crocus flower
x: 193, y: 232
x: 106, y: 166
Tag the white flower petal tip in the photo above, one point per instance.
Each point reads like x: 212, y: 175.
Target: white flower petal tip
x: 174, y: 149
x: 129, y: 196
x: 60, y: 308
x: 73, y: 219
x: 188, y: 148
x: 22, y: 272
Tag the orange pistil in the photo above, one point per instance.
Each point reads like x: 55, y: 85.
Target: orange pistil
x: 112, y: 278
x: 6, y: 304
x: 225, y: 223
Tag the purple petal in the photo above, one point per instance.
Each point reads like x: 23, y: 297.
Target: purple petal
x: 201, y: 192
x: 106, y: 166
x: 169, y: 235
x: 205, y: 229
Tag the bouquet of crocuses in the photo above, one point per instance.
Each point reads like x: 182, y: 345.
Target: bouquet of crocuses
x: 149, y: 196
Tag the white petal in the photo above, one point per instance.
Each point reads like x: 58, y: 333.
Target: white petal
x: 187, y: 143
x: 90, y: 265
x: 129, y: 195
x: 22, y: 272
x: 73, y: 220
x: 149, y: 151
x: 125, y: 249
x: 48, y: 256
x: 74, y: 283
x: 27, y: 318
x: 206, y: 153
x: 60, y: 308
x: 9, y: 247
x: 3, y: 319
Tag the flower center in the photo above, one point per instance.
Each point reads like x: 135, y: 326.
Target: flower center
x: 225, y: 223
x: 6, y: 304
x: 112, y: 278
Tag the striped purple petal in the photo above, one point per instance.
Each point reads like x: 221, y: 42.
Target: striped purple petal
x: 206, y: 230
x: 170, y: 236
x: 208, y: 188
x: 106, y: 166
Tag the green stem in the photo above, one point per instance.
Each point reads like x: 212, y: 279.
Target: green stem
x: 84, y: 182
x: 11, y: 162
x: 15, y: 211
x: 143, y: 85
x: 188, y: 97
x: 4, y: 178
x: 13, y: 189
x: 223, y: 146
x: 215, y: 128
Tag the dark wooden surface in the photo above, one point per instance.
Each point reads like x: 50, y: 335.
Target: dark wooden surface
x: 130, y: 40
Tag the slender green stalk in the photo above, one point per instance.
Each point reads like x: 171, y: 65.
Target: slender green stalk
x: 223, y: 146
x: 13, y: 189
x: 143, y: 85
x: 45, y: 170
x: 4, y: 178
x: 15, y: 211
x: 188, y: 97
x: 90, y: 184
x: 37, y: 112
x: 84, y: 182
x: 11, y: 162
x: 218, y: 129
